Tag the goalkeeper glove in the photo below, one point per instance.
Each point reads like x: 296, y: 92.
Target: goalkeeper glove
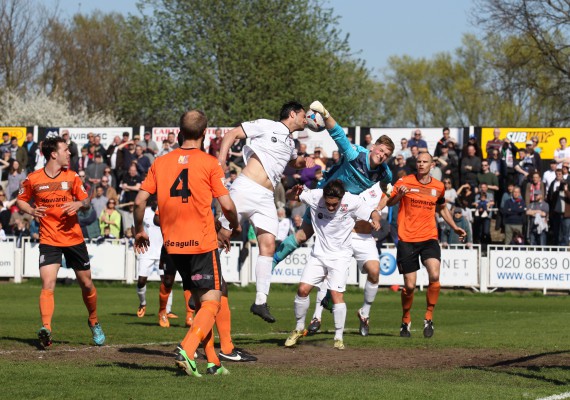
x: 318, y: 107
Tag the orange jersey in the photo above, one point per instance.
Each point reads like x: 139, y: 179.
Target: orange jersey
x: 56, y: 228
x: 416, y: 216
x: 186, y: 181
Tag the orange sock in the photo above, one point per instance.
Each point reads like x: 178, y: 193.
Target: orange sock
x: 189, y: 311
x: 163, y: 297
x: 90, y: 300
x: 47, y: 306
x: 203, y: 323
x: 224, y: 326
x: 209, y: 348
x: 407, y: 300
x: 432, y: 296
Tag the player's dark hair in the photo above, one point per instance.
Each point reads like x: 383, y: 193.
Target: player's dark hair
x: 386, y: 141
x: 288, y: 107
x: 50, y: 145
x: 334, y: 189
x: 193, y: 124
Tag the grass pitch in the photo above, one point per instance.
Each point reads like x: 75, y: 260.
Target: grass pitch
x: 502, y: 345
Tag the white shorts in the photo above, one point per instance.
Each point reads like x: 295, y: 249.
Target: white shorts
x: 253, y: 202
x: 335, y: 272
x: 364, y: 249
x: 148, y: 266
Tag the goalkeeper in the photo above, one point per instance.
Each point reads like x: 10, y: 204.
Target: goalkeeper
x: 359, y: 169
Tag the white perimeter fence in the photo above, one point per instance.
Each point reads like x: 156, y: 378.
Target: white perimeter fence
x: 522, y: 267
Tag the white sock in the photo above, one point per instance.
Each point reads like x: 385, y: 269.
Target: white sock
x: 370, y: 291
x: 142, y: 295
x: 301, y: 307
x: 339, y: 317
x: 320, y: 296
x: 263, y: 278
x: 169, y: 302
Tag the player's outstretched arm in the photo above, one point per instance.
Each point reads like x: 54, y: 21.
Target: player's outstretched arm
x: 230, y: 212
x: 33, y: 211
x: 227, y: 142
x: 375, y: 218
x: 318, y: 107
x: 447, y: 217
x: 400, y: 193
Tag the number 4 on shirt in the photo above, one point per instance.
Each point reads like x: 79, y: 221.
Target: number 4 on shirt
x: 184, y: 191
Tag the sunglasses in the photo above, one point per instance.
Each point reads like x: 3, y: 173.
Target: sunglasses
x: 82, y: 176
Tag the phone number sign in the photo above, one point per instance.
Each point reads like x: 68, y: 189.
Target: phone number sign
x: 529, y: 269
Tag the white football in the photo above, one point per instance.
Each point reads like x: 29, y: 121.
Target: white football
x: 315, y: 121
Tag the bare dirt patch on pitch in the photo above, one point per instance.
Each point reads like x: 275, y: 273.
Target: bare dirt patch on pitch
x: 309, y: 355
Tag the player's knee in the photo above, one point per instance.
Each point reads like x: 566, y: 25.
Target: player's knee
x: 141, y: 282
x: 409, y: 290
x: 337, y: 297
x: 373, y: 278
x: 168, y: 281
x: 304, y: 290
x: 373, y: 272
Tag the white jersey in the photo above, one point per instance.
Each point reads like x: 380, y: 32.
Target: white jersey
x: 271, y: 141
x: 372, y: 195
x: 559, y: 153
x: 154, y: 235
x: 333, y: 230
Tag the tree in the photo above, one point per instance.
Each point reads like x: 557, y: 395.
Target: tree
x: 90, y: 60
x: 535, y: 34
x: 241, y: 59
x: 43, y: 110
x: 22, y: 23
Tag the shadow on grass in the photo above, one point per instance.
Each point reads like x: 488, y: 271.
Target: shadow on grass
x: 534, y: 372
x: 518, y: 360
x: 142, y: 323
x: 127, y: 314
x: 139, y: 367
x: 145, y: 351
x: 35, y: 343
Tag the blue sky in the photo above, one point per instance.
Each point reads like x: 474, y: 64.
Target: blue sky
x: 378, y: 29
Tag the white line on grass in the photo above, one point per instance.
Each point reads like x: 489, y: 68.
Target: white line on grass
x: 560, y: 396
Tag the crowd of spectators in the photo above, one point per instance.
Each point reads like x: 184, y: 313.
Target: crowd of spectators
x: 507, y: 191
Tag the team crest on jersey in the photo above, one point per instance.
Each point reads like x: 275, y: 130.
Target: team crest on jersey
x: 274, y: 139
x: 183, y: 160
x: 373, y: 194
x: 344, y: 207
x: 64, y: 185
x: 320, y: 215
x: 434, y: 192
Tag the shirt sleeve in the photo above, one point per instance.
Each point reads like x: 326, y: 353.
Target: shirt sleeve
x: 308, y: 196
x: 25, y: 192
x: 362, y: 209
x: 149, y: 184
x: 253, y: 128
x: 345, y: 148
